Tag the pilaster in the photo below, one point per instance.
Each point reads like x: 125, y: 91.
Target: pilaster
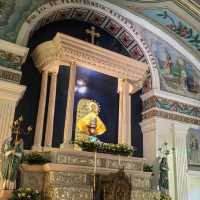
x: 180, y: 161
x: 124, y: 129
x: 10, y: 94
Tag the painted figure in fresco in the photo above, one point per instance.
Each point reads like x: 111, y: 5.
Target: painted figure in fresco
x: 194, y: 150
x: 179, y: 72
x: 12, y: 151
x: 164, y: 181
x: 91, y: 124
x: 168, y: 64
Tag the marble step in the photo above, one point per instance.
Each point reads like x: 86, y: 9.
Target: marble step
x: 86, y: 193
x: 68, y: 193
x: 60, y: 175
x: 138, y: 194
x: 87, y: 159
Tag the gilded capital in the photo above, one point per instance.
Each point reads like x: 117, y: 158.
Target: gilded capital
x: 46, y: 56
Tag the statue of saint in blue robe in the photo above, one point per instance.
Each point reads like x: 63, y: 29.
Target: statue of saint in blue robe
x: 12, y: 151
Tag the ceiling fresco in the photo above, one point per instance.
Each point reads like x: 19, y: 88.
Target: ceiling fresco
x: 177, y: 74
x: 176, y: 25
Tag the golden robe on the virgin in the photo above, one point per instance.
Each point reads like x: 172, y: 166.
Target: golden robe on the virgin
x: 84, y: 123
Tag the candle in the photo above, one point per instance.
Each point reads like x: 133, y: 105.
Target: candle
x: 95, y: 169
x: 119, y: 160
x: 95, y: 162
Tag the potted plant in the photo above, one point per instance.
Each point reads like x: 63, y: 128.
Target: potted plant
x: 25, y: 194
x: 35, y: 158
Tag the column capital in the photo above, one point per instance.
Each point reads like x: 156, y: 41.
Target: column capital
x: 148, y: 125
x: 130, y: 85
x: 53, y: 73
x: 46, y: 56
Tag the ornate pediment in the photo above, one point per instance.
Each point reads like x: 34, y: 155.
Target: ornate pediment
x: 64, y: 50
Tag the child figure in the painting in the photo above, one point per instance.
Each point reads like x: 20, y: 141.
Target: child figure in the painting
x: 91, y: 124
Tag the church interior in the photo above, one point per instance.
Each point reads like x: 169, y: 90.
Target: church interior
x: 100, y: 99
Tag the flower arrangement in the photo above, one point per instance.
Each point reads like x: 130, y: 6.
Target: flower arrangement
x: 35, y: 158
x: 1, y: 4
x: 101, y: 147
x: 25, y: 194
x: 164, y: 196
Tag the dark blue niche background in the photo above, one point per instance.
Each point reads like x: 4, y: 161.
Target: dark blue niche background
x: 31, y: 78
x: 103, y: 89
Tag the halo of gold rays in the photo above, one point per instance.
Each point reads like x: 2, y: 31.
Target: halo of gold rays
x: 94, y: 102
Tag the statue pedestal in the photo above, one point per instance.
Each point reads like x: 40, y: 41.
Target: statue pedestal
x: 70, y: 175
x: 5, y: 194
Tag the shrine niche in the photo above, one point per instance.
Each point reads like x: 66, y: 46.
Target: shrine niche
x: 115, y: 186
x: 88, y: 124
x: 193, y: 147
x: 64, y: 50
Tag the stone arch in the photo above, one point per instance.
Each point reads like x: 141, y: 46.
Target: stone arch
x: 58, y: 10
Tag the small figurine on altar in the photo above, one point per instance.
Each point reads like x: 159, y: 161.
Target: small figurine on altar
x: 12, y: 152
x: 91, y: 124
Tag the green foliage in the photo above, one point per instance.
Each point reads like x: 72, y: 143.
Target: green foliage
x: 25, y: 194
x: 148, y: 168
x: 164, y: 196
x: 101, y: 147
x: 182, y: 30
x: 1, y: 3
x: 35, y: 158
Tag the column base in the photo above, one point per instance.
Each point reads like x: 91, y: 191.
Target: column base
x: 5, y: 194
x: 66, y: 146
x: 48, y: 148
x: 37, y: 148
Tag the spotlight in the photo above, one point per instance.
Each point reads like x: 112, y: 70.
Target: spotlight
x: 82, y: 90
x: 81, y: 86
x: 81, y: 83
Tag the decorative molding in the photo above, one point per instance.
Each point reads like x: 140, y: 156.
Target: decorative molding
x: 10, y: 75
x: 85, y: 160
x: 10, y: 94
x: 171, y: 105
x: 190, y: 6
x: 11, y: 91
x: 169, y: 115
x: 10, y: 60
x: 63, y: 50
x: 12, y: 55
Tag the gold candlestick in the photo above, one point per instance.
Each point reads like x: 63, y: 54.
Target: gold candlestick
x: 95, y: 169
x: 119, y: 160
